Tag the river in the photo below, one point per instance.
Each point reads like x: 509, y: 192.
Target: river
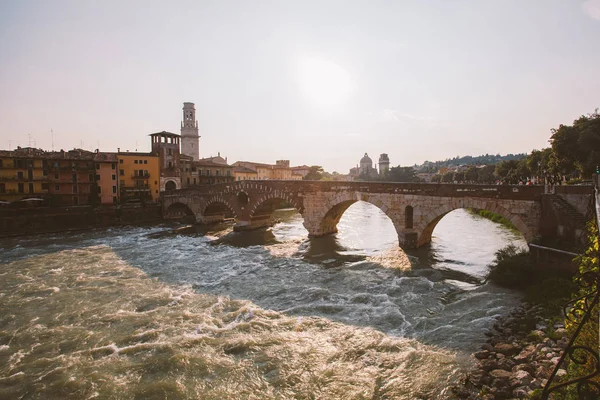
x: 142, y: 313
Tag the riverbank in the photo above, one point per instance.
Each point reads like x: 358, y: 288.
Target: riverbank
x: 516, y: 361
x: 36, y: 220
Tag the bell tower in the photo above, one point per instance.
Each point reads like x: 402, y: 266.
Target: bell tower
x: 190, y: 139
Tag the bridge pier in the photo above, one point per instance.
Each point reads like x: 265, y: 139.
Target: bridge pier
x: 258, y: 222
x: 407, y: 239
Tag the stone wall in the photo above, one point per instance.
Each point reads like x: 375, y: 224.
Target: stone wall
x: 56, y: 219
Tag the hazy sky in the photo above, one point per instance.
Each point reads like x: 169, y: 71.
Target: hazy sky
x: 316, y: 82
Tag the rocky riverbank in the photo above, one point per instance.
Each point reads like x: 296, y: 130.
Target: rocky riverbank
x: 521, y: 352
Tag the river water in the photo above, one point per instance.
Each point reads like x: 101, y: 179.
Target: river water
x: 142, y: 313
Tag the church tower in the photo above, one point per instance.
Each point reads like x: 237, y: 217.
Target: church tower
x: 190, y: 139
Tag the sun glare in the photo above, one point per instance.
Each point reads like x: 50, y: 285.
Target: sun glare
x: 324, y: 82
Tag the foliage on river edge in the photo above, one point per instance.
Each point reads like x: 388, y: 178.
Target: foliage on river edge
x: 589, y: 336
x: 495, y: 218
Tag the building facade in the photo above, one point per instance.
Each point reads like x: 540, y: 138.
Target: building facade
x: 139, y: 177
x: 106, y: 177
x: 190, y: 140
x: 384, y: 164
x: 166, y: 145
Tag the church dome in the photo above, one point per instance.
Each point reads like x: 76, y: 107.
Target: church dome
x: 366, y: 160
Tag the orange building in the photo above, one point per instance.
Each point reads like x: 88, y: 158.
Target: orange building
x: 106, y: 177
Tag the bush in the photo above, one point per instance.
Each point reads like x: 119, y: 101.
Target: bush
x: 513, y: 268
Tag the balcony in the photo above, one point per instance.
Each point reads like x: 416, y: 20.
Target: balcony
x: 25, y: 178
x: 144, y: 176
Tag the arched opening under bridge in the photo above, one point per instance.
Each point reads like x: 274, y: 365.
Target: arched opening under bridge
x: 180, y: 211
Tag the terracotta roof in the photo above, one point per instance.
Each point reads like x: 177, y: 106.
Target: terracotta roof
x: 244, y: 170
x: 211, y: 164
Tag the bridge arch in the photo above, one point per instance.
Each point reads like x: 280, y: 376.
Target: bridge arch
x: 327, y: 222
x: 216, y: 209
x: 179, y: 210
x: 428, y: 223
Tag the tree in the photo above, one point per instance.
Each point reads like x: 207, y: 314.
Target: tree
x: 448, y: 177
x: 470, y: 175
x: 401, y: 174
x: 315, y: 173
x: 486, y: 174
x: 577, y: 147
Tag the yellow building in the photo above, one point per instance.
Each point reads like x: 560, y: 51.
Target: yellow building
x: 280, y: 171
x: 244, y: 174
x: 139, y: 177
x: 23, y: 174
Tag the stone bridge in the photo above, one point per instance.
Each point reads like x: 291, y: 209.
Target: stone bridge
x: 414, y: 208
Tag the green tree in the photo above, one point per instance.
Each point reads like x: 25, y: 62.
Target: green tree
x: 577, y: 147
x: 315, y: 173
x: 470, y: 175
x: 448, y: 177
x: 486, y: 174
x: 402, y: 174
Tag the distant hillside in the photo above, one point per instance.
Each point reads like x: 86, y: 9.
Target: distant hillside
x: 486, y: 159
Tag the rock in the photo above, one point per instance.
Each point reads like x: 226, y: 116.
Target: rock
x: 541, y: 326
x: 506, y: 364
x: 480, y: 355
x: 520, y: 378
x: 487, y: 347
x: 562, y: 332
x: 501, y: 378
x: 559, y: 325
x: 520, y: 393
x: 537, y: 335
x: 561, y: 372
x: 489, y: 365
x: 535, y: 384
x: 506, y: 348
x: 524, y: 367
x: 525, y: 354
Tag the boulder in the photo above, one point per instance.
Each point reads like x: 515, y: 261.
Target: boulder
x: 520, y: 378
x: 507, y: 349
x: 480, y: 355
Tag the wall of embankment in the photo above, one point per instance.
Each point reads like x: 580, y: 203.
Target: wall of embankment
x: 34, y: 220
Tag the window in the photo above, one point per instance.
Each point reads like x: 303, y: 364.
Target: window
x: 217, y: 172
x: 2, y: 188
x: 57, y: 188
x: 188, y: 181
x: 99, y: 189
x: 97, y: 166
x: 170, y: 164
x: 20, y: 175
x: 56, y: 175
x: 145, y: 161
x: 135, y: 161
x: 74, y: 176
x: 98, y: 177
x: 55, y: 164
x: 408, y: 217
x: 228, y: 173
x: 45, y: 172
x: 31, y: 188
x: 45, y: 186
x: 194, y: 181
x: 122, y: 183
x: 113, y: 166
x: 74, y: 188
x: 114, y: 189
x: 91, y: 177
x: 114, y: 177
x: 122, y: 172
x: 21, y: 188
x: 121, y: 161
x: 169, y: 151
